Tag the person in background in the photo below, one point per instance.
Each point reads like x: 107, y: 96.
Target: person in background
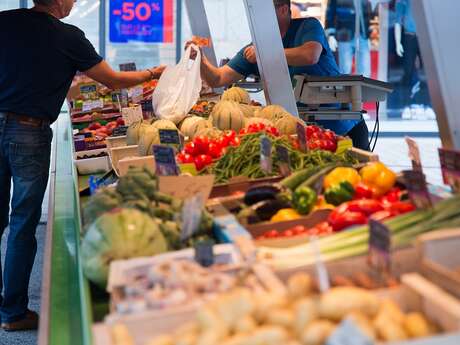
x: 295, y: 11
x: 307, y: 52
x: 39, y: 58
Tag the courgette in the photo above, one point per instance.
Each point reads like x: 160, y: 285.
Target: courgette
x: 296, y: 179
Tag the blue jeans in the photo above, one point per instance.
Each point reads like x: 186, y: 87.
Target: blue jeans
x: 24, y: 161
x: 347, y: 50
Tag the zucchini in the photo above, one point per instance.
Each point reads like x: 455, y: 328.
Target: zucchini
x: 313, y: 179
x: 297, y: 178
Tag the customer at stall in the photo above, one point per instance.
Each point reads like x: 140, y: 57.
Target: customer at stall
x: 39, y: 57
x: 307, y: 52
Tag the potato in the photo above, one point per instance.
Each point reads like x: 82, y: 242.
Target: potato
x: 186, y: 339
x: 245, y: 325
x: 416, y: 325
x: 317, y: 332
x: 363, y: 323
x: 338, y: 302
x: 281, y: 317
x: 305, y: 311
x: 268, y: 335
x: 299, y: 285
x: 239, y: 339
x: 188, y: 328
x: 392, y: 310
x: 265, y: 303
x: 235, y: 306
x: 389, y: 329
x: 121, y: 335
x: 210, y: 337
x: 162, y: 340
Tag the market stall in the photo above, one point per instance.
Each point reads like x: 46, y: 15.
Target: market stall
x: 239, y: 224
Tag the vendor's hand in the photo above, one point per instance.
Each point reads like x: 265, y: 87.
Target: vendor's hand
x: 333, y: 43
x: 250, y: 54
x: 158, y: 71
x: 193, y: 53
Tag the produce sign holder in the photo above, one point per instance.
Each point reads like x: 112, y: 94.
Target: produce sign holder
x: 118, y: 153
x: 450, y: 167
x: 137, y: 162
x: 439, y: 259
x: 92, y: 165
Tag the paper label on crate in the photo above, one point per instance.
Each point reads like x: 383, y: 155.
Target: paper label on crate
x: 136, y: 93
x: 88, y: 90
x: 348, y: 333
x: 119, y: 131
x: 94, y: 104
x: 170, y: 137
x: 418, y: 191
x: 185, y: 187
x: 204, y: 253
x: 128, y: 67
x: 344, y: 145
x: 450, y: 167
x: 266, y: 161
x: 165, y: 160
x: 284, y: 160
x: 414, y: 154
x: 132, y: 115
x: 302, y: 137
x: 188, y: 169
x: 379, y: 246
x: 192, y: 211
x: 147, y: 109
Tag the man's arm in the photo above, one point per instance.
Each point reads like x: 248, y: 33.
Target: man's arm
x: 218, y: 76
x: 114, y: 80
x: 307, y: 54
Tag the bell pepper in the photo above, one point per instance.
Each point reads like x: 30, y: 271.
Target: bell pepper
x: 400, y: 207
x: 362, y: 192
x: 339, y: 175
x: 340, y: 193
x: 366, y: 206
x: 304, y: 199
x: 340, y: 221
x: 322, y: 204
x: 378, y: 177
x: 285, y: 214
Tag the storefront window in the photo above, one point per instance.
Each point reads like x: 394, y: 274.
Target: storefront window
x: 85, y: 15
x: 9, y: 4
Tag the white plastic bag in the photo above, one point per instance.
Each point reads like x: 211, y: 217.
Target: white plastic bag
x: 178, y: 88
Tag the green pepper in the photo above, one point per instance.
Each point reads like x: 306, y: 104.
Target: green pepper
x: 304, y: 199
x: 339, y: 193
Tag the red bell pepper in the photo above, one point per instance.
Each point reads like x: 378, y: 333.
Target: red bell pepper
x: 366, y: 206
x: 340, y: 221
x: 362, y: 192
x: 400, y: 207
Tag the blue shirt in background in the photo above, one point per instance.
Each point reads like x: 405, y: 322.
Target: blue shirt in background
x: 404, y: 16
x: 300, y: 32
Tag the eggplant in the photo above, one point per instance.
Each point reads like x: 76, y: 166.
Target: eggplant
x: 262, y: 211
x: 262, y: 193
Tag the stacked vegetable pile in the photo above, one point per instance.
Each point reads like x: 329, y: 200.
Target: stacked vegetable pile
x: 130, y: 220
x: 299, y: 317
x: 403, y: 228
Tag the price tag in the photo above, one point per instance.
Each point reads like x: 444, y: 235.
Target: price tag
x: 98, y: 104
x: 347, y: 333
x: 165, y: 160
x: 132, y: 115
x: 124, y: 98
x: 414, y: 154
x: 136, y: 93
x: 147, y: 109
x: 170, y: 137
x: 379, y: 246
x: 418, y: 191
x: 191, y: 215
x: 450, y: 167
x: 302, y: 137
x: 266, y: 161
x: 204, y: 253
x: 119, y: 131
x: 284, y: 160
x: 88, y: 90
x: 128, y: 67
x: 87, y: 106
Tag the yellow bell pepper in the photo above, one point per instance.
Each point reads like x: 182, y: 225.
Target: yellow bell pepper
x: 378, y: 177
x: 339, y: 175
x: 285, y: 214
x: 322, y: 204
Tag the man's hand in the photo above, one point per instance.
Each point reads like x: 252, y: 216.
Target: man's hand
x: 158, y: 71
x: 193, y: 53
x: 250, y: 54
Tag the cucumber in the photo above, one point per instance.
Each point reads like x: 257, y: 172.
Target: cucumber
x: 295, y: 179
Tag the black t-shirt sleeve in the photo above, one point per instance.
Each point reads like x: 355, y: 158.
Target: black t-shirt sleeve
x: 79, y: 50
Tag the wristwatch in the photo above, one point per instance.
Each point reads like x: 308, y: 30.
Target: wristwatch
x: 152, y: 75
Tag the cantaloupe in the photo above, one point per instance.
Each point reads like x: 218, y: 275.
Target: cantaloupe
x: 150, y: 137
x: 272, y: 112
x: 135, y: 131
x: 227, y: 115
x: 164, y: 124
x: 257, y: 120
x: 194, y: 124
x: 211, y: 132
x: 287, y: 125
x: 249, y: 110
x: 236, y: 94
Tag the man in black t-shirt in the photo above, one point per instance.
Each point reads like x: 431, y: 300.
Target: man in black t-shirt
x: 39, y: 56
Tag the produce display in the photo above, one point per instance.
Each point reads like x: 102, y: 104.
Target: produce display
x: 300, y: 316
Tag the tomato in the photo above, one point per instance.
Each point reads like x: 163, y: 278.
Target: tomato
x: 223, y: 141
x: 272, y: 234
x: 314, y: 144
x: 120, y: 121
x: 311, y: 130
x: 295, y: 144
x: 288, y: 233
x: 316, y: 136
x: 184, y: 158
x: 273, y: 131
x: 329, y: 145
x: 256, y: 128
x: 201, y: 144
x: 215, y: 150
x: 190, y: 149
x: 235, y: 142
x: 329, y: 135
x: 243, y: 131
x: 202, y: 161
x: 299, y: 229
x: 230, y: 135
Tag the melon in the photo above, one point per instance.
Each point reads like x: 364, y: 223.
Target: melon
x: 272, y: 112
x: 164, y: 124
x: 210, y: 132
x: 248, y: 110
x: 120, y: 234
x: 256, y: 120
x: 227, y: 115
x: 287, y: 125
x: 236, y: 94
x: 150, y: 137
x: 194, y: 124
x: 135, y: 131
